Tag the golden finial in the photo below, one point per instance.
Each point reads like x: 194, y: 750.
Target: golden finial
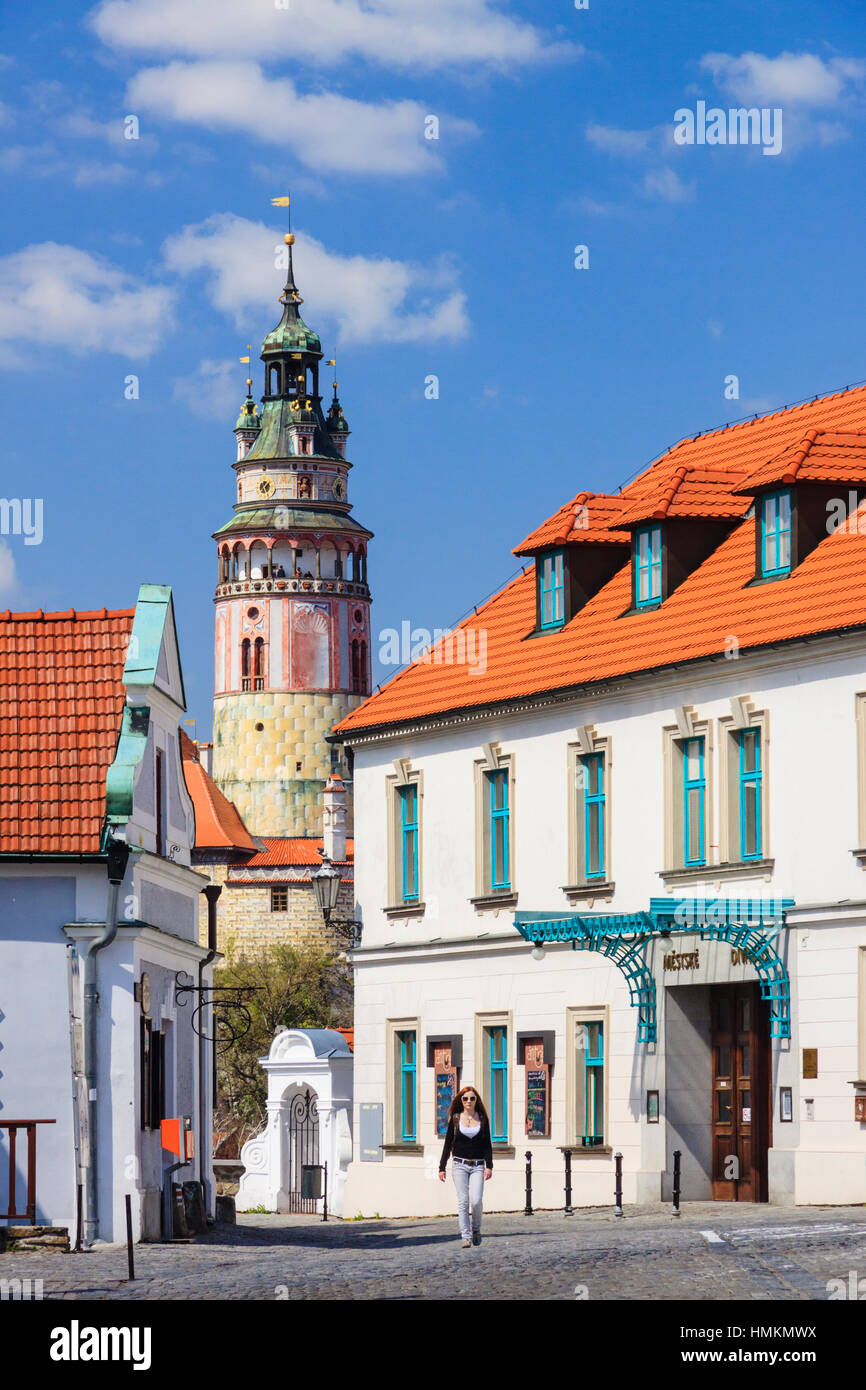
x: 289, y: 238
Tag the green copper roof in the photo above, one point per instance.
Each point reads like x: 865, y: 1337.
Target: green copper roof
x: 248, y: 418
x: 283, y: 518
x: 292, y: 334
x: 275, y: 441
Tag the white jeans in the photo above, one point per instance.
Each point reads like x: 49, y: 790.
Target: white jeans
x: 469, y: 1181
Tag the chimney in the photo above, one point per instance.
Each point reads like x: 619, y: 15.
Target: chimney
x: 334, y: 820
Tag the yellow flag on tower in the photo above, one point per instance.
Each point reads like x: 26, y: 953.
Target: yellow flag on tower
x: 280, y: 202
x: 244, y: 359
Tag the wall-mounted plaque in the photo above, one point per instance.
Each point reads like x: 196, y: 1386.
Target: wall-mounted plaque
x: 786, y: 1104
x: 810, y: 1063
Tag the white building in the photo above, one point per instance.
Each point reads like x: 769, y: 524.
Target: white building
x: 89, y: 711
x: 662, y: 765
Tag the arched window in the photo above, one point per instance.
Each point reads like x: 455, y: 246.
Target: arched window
x: 245, y: 664
x: 363, y: 669
x: 259, y: 667
x: 274, y: 379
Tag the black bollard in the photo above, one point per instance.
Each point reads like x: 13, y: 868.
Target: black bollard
x: 569, y: 1210
x: 325, y: 1203
x: 527, y: 1211
x: 617, y: 1211
x: 677, y: 1158
x: 129, y: 1256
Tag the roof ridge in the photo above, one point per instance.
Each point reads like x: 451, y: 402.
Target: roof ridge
x: 69, y: 614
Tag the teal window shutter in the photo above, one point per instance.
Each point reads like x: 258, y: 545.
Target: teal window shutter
x: 409, y: 841
x: 694, y: 802
x: 750, y: 793
x: 647, y: 565
x: 590, y: 1084
x: 776, y: 533
x: 593, y: 815
x: 408, y: 1086
x: 551, y: 597
x: 498, y: 1084
x: 499, y: 824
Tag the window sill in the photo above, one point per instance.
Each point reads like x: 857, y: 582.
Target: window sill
x: 586, y: 892
x: 493, y: 901
x: 402, y: 1148
x: 405, y: 910
x: 578, y: 1151
x: 504, y: 1150
x: 707, y: 873
x: 860, y: 856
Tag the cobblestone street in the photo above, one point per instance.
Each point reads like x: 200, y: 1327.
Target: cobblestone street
x: 713, y: 1251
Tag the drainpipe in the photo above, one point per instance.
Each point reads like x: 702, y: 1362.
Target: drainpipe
x: 211, y: 892
x: 118, y: 855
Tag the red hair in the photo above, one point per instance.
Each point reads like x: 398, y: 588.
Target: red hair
x: 457, y: 1104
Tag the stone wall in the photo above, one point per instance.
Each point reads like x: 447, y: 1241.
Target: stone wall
x: 257, y: 767
x: 246, y: 923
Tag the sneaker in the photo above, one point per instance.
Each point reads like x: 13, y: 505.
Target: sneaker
x: 476, y: 1237
x: 467, y: 1245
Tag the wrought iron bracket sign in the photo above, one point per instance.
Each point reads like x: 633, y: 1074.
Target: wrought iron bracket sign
x: 231, y: 1017
x: 748, y: 924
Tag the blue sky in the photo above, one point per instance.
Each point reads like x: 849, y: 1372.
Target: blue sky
x: 453, y: 257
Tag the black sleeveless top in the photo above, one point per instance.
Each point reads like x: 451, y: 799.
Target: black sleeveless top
x: 460, y: 1145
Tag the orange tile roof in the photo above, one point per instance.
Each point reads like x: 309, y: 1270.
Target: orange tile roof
x: 61, y: 700
x: 217, y: 823
x: 821, y: 456
x: 826, y: 592
x: 295, y: 851
x: 587, y: 517
x: 686, y: 492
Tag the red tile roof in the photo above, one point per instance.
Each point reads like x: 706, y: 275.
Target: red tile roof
x: 686, y: 492
x: 821, y: 456
x: 826, y: 592
x: 61, y: 700
x: 588, y: 517
x: 217, y: 823
x: 295, y: 851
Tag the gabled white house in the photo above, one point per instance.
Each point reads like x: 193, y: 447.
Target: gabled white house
x: 615, y: 880
x: 89, y: 712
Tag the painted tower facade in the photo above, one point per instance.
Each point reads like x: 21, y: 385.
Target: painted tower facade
x: 292, y: 642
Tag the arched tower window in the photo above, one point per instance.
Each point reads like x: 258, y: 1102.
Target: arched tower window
x: 274, y: 372
x: 259, y: 666
x: 245, y: 664
x: 365, y: 687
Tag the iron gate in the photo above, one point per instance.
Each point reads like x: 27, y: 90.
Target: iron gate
x: 303, y: 1147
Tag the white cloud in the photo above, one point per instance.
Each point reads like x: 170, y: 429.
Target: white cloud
x: 392, y: 33
x: 8, y: 576
x: 371, y: 299
x: 667, y: 186
x: 92, y: 171
x: 212, y: 389
x: 619, y: 142
x: 798, y: 79
x: 327, y: 131
x: 62, y: 296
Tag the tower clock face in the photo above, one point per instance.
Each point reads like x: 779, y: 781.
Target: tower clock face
x: 338, y: 489
x: 266, y: 487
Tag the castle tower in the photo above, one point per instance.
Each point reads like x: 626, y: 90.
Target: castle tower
x: 292, y: 642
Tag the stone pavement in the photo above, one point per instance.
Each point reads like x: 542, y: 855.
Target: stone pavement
x: 713, y: 1251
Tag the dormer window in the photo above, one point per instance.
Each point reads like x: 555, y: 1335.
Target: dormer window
x: 647, y: 566
x: 551, y: 590
x: 775, y: 516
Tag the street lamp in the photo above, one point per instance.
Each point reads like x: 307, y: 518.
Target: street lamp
x: 326, y: 885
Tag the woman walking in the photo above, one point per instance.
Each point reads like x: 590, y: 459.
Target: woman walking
x: 467, y: 1140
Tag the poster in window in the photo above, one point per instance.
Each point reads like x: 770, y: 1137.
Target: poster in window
x: 538, y: 1102
x: 446, y: 1090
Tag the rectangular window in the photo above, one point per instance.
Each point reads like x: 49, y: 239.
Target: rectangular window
x: 408, y: 1086
x: 776, y: 533
x: 279, y: 900
x: 152, y: 1075
x: 593, y: 815
x: 498, y: 830
x: 552, y: 590
x: 589, y: 1044
x: 409, y: 841
x: 160, y: 802
x: 497, y: 1082
x: 694, y: 802
x: 750, y: 793
x: 647, y: 565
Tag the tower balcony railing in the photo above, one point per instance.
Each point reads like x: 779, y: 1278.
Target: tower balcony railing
x: 293, y: 586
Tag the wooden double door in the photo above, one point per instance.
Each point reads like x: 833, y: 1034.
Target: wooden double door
x: 742, y: 1111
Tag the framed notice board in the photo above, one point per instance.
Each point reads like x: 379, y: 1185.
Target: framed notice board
x: 538, y: 1101
x: 446, y: 1090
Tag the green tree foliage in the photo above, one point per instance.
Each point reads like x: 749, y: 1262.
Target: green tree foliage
x: 286, y: 987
